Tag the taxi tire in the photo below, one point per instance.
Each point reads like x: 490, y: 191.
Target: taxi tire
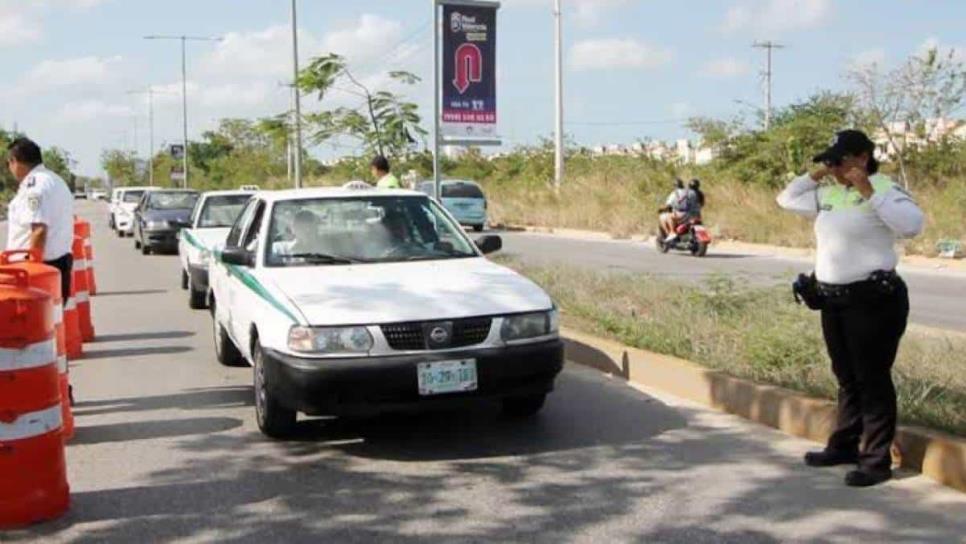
x: 225, y: 351
x: 273, y: 419
x: 478, y: 228
x: 520, y: 407
x: 196, y: 298
x: 137, y: 243
x: 145, y: 249
x: 184, y: 279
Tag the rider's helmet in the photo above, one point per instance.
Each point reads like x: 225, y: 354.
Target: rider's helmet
x: 695, y: 184
x: 679, y: 183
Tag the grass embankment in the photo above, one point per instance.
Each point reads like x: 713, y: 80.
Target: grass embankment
x: 620, y: 195
x: 754, y: 333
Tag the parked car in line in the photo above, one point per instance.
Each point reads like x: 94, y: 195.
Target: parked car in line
x: 348, y: 300
x: 123, y: 202
x: 160, y: 216
x: 97, y: 194
x: 211, y: 219
x: 463, y: 198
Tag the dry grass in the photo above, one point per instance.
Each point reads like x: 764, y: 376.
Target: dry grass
x: 758, y: 334
x: 613, y: 197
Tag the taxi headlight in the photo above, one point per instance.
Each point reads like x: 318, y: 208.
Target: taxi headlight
x: 203, y: 256
x: 533, y: 325
x: 329, y: 340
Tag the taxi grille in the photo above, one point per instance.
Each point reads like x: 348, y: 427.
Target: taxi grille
x: 412, y: 336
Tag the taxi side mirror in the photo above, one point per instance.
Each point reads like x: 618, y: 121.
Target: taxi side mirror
x: 489, y: 244
x: 238, y: 256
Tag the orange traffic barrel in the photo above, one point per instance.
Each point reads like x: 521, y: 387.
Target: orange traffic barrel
x: 72, y: 331
x: 82, y: 298
x: 82, y: 228
x: 47, y: 279
x: 89, y: 259
x: 31, y: 446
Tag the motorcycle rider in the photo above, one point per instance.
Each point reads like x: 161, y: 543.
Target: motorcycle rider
x: 679, y: 206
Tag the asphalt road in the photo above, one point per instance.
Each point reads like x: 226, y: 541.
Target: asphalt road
x: 936, y: 297
x: 167, y: 449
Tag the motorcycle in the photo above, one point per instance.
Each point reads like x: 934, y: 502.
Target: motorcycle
x: 692, y: 236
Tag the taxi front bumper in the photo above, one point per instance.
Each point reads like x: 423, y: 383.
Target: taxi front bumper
x: 363, y: 385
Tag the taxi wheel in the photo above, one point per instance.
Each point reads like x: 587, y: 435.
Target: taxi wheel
x: 273, y: 420
x: 184, y: 279
x: 523, y: 406
x: 196, y: 298
x: 225, y: 350
x: 137, y: 243
x: 145, y: 249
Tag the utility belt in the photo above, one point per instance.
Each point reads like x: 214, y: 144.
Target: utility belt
x: 819, y: 295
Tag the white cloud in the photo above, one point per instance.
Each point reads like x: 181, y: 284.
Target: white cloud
x: 370, y: 37
x: 868, y: 58
x: 583, y: 11
x: 725, y: 68
x: 776, y: 15
x: 17, y: 26
x: 71, y: 72
x: 617, y: 53
x: 89, y: 110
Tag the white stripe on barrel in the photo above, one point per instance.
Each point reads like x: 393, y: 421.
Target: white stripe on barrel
x: 71, y: 305
x: 80, y: 264
x: 32, y: 424
x: 83, y: 297
x: 33, y: 356
x: 58, y: 314
x: 62, y: 364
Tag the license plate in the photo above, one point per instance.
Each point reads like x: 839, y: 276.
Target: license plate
x: 446, y: 377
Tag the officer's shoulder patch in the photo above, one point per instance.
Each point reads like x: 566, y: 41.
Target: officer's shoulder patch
x: 31, y: 182
x: 33, y: 202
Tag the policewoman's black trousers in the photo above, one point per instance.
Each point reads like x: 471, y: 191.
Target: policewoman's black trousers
x: 862, y: 335
x: 64, y: 263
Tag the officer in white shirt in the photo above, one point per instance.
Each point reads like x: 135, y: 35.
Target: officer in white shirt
x: 41, y: 214
x: 864, y: 303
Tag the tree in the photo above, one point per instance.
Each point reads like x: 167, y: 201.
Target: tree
x: 384, y: 123
x: 121, y: 167
x: 59, y: 161
x: 928, y: 86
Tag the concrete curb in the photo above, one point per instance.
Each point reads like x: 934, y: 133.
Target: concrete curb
x: 937, y: 455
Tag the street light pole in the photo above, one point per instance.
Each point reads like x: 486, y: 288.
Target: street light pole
x: 768, y: 46
x: 150, y: 93
x: 297, y: 98
x: 558, y: 162
x: 184, y: 91
x: 437, y: 98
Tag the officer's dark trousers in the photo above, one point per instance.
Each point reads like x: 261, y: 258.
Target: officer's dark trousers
x: 862, y: 335
x: 64, y: 263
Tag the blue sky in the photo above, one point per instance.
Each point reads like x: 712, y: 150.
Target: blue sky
x: 634, y: 68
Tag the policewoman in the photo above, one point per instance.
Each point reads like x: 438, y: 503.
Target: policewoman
x: 41, y: 214
x: 859, y: 215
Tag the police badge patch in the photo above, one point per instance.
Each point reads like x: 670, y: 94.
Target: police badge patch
x: 33, y: 202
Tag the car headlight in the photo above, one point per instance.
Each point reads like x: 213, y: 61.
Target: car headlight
x: 534, y: 325
x: 329, y: 340
x: 156, y: 224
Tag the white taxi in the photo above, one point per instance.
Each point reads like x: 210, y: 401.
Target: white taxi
x: 123, y: 202
x: 211, y: 219
x: 346, y: 299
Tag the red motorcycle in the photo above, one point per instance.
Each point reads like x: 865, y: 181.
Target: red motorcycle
x: 691, y: 236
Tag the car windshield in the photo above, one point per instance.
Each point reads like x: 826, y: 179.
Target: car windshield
x: 461, y: 190
x: 172, y: 201
x: 132, y: 196
x: 222, y: 210
x: 362, y: 229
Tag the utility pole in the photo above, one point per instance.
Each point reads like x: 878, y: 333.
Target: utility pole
x: 768, y: 46
x: 558, y: 161
x: 150, y: 94
x: 184, y: 91
x: 297, y: 99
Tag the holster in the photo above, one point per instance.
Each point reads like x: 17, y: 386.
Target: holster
x: 805, y: 290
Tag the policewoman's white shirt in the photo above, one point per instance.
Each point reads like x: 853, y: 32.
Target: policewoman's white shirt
x: 854, y: 237
x: 43, y: 197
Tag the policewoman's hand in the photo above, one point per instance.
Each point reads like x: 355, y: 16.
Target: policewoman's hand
x: 819, y: 174
x: 859, y: 179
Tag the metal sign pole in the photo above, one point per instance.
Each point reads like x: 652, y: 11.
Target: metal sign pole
x: 437, y: 98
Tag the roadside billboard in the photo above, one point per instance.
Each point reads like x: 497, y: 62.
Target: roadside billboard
x: 469, y: 71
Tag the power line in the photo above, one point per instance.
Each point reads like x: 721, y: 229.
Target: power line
x: 627, y: 123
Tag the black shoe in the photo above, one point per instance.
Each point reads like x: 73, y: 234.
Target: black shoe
x: 827, y: 458
x: 866, y: 478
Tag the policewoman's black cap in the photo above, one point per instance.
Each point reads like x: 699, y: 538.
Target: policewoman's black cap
x: 846, y: 142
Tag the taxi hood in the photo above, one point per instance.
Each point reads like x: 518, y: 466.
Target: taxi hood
x: 400, y: 292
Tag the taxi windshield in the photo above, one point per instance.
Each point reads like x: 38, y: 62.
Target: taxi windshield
x: 222, y: 210
x: 327, y: 231
x: 172, y: 200
x: 132, y: 196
